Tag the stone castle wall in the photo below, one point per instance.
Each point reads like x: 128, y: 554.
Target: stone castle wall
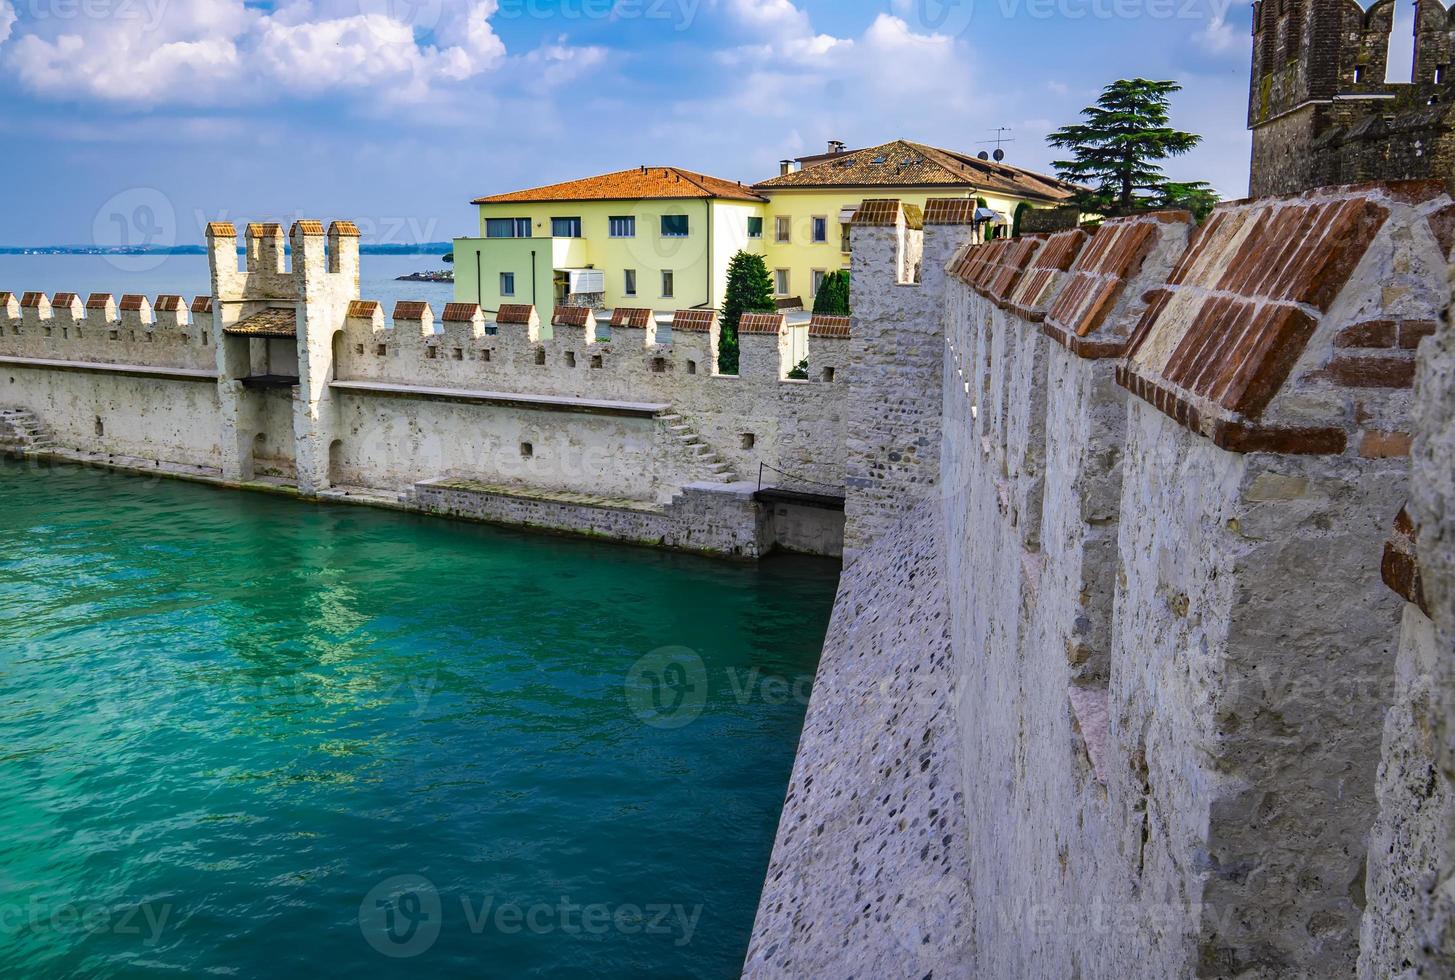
x: 1170, y: 460
x: 283, y: 375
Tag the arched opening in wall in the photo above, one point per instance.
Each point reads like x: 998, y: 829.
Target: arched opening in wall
x: 338, y: 355
x: 1399, y: 65
x: 335, y: 463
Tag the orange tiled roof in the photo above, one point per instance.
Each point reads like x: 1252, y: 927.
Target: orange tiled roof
x: 32, y: 300
x: 761, y: 323
x: 824, y: 325
x: 694, y: 321
x: 98, y: 301
x: 132, y: 302
x: 308, y: 226
x: 411, y: 309
x: 903, y: 163
x: 169, y: 302
x: 200, y: 304
x: 280, y: 322
x: 514, y: 313
x: 626, y: 316
x: 652, y: 183
x: 460, y: 312
x: 344, y: 229
x: 363, y: 309
x: 571, y: 316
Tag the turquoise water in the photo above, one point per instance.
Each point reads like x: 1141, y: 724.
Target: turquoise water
x: 247, y: 736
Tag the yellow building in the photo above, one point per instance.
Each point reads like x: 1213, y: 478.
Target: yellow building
x: 662, y: 237
x: 813, y: 198
x: 653, y: 237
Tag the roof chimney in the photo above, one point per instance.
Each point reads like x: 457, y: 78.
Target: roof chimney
x: 836, y: 147
x: 785, y: 167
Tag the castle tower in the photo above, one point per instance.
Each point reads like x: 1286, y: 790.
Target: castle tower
x: 1321, y: 110
x: 1314, y: 63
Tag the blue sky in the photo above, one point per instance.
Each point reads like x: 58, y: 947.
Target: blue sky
x: 143, y: 119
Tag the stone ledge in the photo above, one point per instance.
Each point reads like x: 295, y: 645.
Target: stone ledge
x: 549, y: 403
x: 95, y: 367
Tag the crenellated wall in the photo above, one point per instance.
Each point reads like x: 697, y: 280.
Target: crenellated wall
x: 1170, y: 457
x: 284, y: 376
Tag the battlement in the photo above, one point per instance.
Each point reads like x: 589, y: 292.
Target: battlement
x: 101, y: 330
x: 278, y: 267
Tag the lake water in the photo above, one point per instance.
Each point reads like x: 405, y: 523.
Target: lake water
x: 248, y: 736
x: 187, y: 275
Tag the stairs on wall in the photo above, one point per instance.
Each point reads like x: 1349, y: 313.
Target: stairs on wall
x: 22, y: 431
x: 709, y: 462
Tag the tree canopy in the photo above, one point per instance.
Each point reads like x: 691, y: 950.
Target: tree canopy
x: 749, y: 290
x: 1116, y: 151
x: 833, y: 294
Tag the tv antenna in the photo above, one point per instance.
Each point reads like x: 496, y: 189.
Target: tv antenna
x: 1000, y: 139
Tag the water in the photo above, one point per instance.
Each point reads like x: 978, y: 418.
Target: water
x: 187, y: 275
x: 248, y: 736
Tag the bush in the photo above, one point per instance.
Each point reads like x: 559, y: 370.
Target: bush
x: 833, y: 294
x: 749, y: 290
x: 800, y: 371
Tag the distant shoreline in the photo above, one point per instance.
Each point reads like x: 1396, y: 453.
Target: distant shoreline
x: 427, y: 248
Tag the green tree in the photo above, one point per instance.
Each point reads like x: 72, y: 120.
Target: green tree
x: 833, y: 294
x: 1195, y: 195
x: 1115, y: 151
x: 1015, y: 224
x: 749, y: 290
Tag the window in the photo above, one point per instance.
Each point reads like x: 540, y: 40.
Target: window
x: 507, y: 284
x: 659, y: 365
x: 507, y: 227
x: 780, y: 282
x: 1440, y: 74
x: 844, y: 239
x: 527, y: 450
x: 820, y: 230
x: 629, y: 287
x: 668, y: 282
x: 818, y: 277
x: 674, y: 226
x: 623, y: 227
x: 1358, y: 74
x: 783, y: 230
x: 755, y: 227
x: 565, y: 227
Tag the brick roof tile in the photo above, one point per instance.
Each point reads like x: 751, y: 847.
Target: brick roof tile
x: 626, y: 316
x: 460, y: 312
x: 762, y: 323
x: 824, y: 325
x: 570, y: 316
x: 202, y: 304
x: 515, y: 313
x: 694, y: 321
x: 363, y: 309
x: 412, y: 309
x: 99, y: 301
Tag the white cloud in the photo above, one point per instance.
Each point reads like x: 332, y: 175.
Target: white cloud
x: 556, y: 62
x: 7, y: 20
x: 206, y: 52
x: 1218, y: 36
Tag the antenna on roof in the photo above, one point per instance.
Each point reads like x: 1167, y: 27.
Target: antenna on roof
x: 1000, y: 138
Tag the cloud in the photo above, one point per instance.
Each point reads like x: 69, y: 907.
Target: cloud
x: 1218, y: 36
x: 7, y: 20
x: 222, y: 52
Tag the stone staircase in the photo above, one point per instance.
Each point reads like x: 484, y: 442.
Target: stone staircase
x: 713, y: 467
x: 21, y: 431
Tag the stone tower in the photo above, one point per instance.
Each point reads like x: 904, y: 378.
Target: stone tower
x: 1320, y: 108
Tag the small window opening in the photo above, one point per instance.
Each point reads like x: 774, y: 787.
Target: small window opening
x: 570, y: 358
x: 100, y: 426
x: 596, y: 361
x: 749, y: 440
x: 459, y: 353
x: 431, y: 352
x: 485, y: 356
x: 527, y: 450
x: 381, y: 350
x: 828, y: 374
x: 540, y: 356
x: 358, y: 348
x: 691, y: 367
x: 114, y: 334
x: 659, y: 365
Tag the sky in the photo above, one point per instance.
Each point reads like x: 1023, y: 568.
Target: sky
x: 141, y: 120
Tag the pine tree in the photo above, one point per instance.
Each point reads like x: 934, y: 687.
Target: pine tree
x: 833, y: 294
x: 749, y: 290
x: 1115, y: 151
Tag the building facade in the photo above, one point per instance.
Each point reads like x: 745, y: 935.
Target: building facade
x: 655, y: 237
x: 661, y: 237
